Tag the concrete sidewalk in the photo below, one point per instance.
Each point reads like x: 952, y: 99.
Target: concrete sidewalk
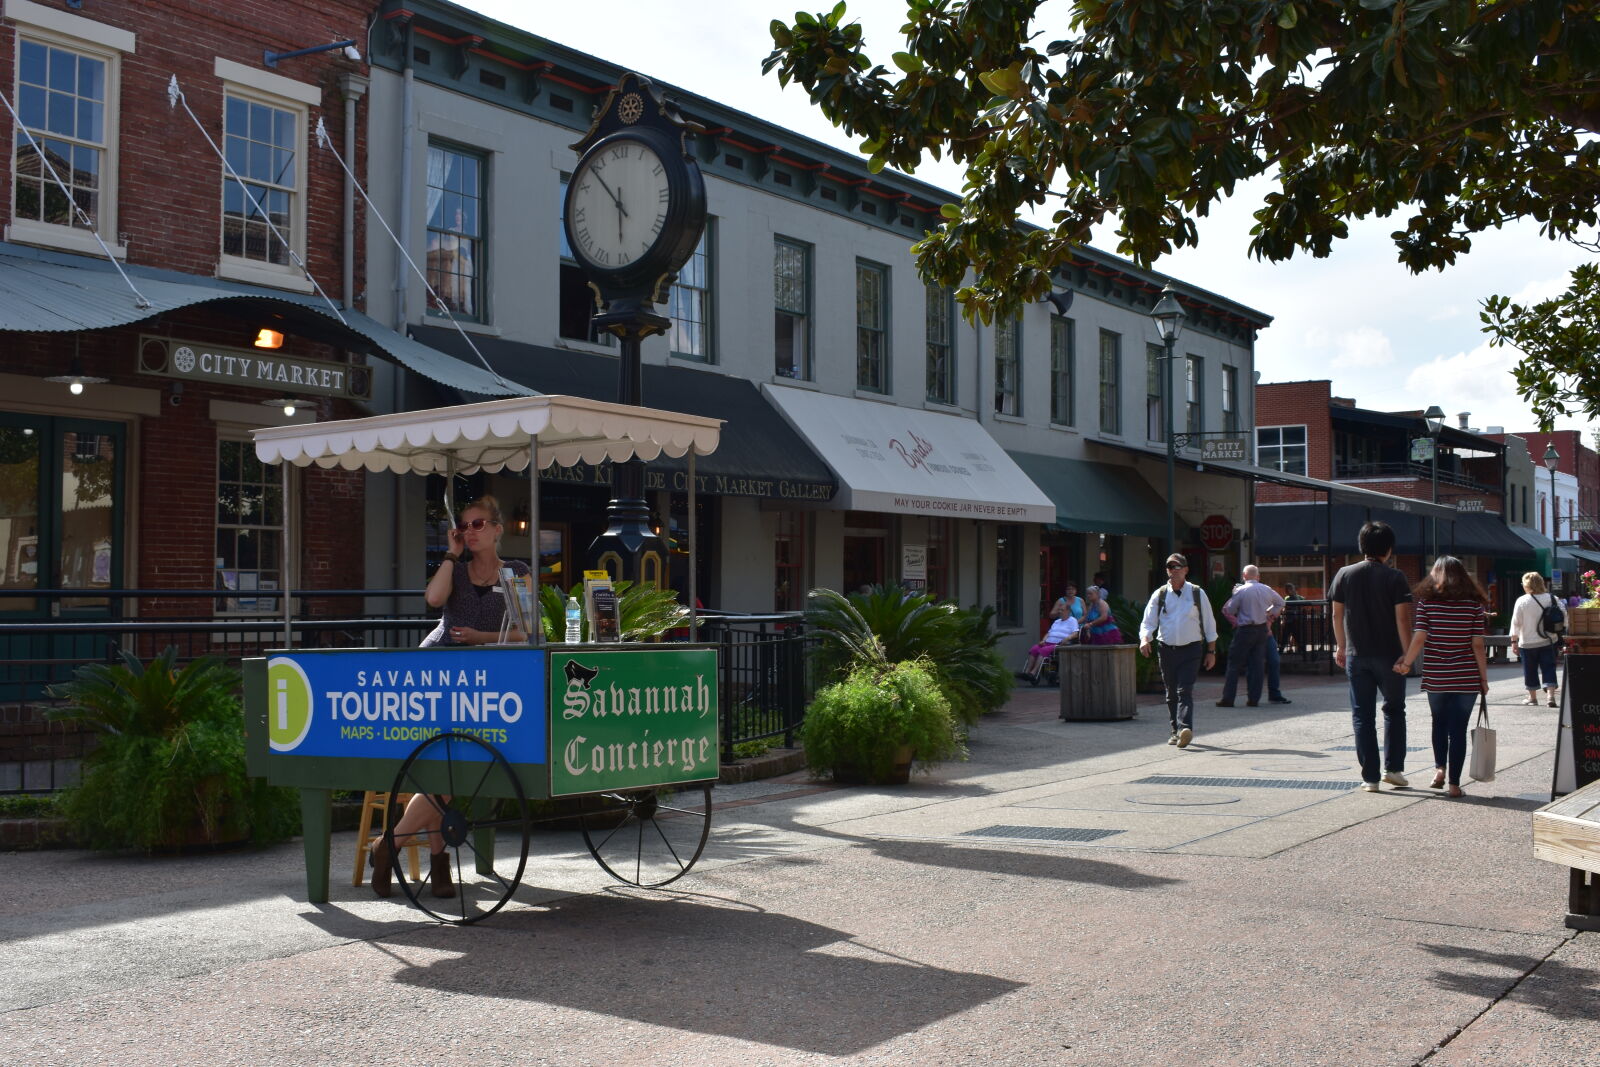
x: 1077, y: 893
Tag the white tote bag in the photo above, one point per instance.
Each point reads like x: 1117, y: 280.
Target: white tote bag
x: 1483, y: 744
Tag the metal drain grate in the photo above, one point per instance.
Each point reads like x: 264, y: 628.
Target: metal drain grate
x: 1250, y: 783
x: 1042, y: 833
x: 1352, y: 748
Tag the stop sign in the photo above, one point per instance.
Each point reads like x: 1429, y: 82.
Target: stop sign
x: 1216, y: 533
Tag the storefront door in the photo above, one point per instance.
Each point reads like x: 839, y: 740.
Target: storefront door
x: 61, y: 499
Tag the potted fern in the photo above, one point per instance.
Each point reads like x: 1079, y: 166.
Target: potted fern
x: 168, y: 769
x: 870, y: 724
x: 643, y: 611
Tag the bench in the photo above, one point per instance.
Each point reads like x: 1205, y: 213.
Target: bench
x: 1497, y: 647
x: 1567, y: 831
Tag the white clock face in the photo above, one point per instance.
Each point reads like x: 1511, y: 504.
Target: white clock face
x: 617, y: 204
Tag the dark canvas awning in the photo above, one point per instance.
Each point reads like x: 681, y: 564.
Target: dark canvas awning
x: 760, y: 455
x: 1292, y: 529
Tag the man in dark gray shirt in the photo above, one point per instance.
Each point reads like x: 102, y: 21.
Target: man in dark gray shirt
x: 1371, y: 628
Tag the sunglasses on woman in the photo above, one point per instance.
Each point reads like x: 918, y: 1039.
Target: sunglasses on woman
x: 472, y: 524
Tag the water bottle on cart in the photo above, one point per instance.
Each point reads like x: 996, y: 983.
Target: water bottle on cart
x: 574, y: 621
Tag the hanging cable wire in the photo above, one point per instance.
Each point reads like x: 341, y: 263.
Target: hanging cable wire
x: 326, y: 142
x: 83, y: 216
x: 175, y: 97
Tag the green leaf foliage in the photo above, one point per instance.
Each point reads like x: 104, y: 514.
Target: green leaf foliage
x: 169, y: 766
x: 643, y: 611
x: 1454, y: 116
x: 857, y: 727
x: 1561, y: 339
x: 892, y: 624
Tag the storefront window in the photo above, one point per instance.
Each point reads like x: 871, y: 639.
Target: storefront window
x: 1008, y: 575
x: 941, y: 542
x: 789, y: 556
x: 866, y: 550
x: 249, y: 530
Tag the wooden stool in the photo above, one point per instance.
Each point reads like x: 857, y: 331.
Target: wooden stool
x: 378, y: 804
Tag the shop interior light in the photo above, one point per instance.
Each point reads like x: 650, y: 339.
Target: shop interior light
x: 266, y: 338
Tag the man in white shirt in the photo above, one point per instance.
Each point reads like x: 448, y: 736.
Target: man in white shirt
x: 1178, y: 622
x: 1252, y: 610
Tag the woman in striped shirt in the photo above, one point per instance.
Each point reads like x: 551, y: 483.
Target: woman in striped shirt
x: 1450, y: 621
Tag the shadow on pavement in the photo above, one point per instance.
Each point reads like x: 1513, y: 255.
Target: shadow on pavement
x: 1062, y: 867
x: 707, y: 968
x: 1556, y: 988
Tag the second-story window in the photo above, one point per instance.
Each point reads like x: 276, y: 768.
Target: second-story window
x: 1155, y: 366
x: 1194, y: 393
x: 690, y: 305
x: 61, y: 98
x: 261, y: 142
x: 1230, y: 399
x: 1062, y: 357
x: 872, y: 327
x: 791, y: 291
x: 941, y: 345
x: 456, y: 226
x: 1282, y: 448
x: 1007, y: 366
x: 1110, y: 382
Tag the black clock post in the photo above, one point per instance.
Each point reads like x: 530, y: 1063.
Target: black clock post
x: 635, y: 210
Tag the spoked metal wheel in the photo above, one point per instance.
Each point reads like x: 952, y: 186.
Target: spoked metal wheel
x: 479, y: 808
x: 648, y: 837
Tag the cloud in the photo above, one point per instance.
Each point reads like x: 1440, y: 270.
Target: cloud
x: 1478, y: 381
x: 1361, y: 348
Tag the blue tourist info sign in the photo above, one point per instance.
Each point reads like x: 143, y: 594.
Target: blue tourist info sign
x: 382, y: 705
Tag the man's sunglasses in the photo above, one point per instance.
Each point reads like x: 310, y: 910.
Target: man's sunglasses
x: 1176, y: 566
x: 472, y: 524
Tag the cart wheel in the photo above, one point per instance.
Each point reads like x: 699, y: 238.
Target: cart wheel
x: 648, y: 837
x: 475, y: 815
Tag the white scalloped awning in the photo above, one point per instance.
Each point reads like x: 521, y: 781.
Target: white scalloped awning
x: 491, y: 436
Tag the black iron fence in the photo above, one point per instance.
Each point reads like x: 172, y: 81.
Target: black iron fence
x: 763, y: 674
x: 1305, y: 637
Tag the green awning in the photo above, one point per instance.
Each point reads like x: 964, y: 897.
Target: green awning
x: 1096, y: 497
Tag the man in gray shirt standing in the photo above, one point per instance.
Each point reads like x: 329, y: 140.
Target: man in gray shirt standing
x: 1371, y: 628
x: 1251, y: 609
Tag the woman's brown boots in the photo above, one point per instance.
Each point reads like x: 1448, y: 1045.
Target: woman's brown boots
x: 382, y: 868
x: 439, y: 874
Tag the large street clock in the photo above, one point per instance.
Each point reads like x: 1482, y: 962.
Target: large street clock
x: 636, y: 203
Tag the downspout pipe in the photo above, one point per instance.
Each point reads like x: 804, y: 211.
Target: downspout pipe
x: 408, y: 125
x: 353, y: 87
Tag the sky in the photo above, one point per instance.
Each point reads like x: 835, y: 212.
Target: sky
x: 1388, y: 338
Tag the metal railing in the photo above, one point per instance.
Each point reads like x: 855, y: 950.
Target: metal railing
x: 1305, y: 637
x: 762, y: 679
x: 1407, y: 469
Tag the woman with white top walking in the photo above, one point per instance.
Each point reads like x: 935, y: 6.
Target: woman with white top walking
x: 1532, y: 635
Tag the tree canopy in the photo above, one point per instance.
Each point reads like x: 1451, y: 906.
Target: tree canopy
x: 1455, y: 116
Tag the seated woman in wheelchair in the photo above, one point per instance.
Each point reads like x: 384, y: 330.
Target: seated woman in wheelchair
x: 1063, y: 630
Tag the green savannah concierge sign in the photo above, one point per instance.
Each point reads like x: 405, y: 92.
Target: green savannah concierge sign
x: 631, y: 718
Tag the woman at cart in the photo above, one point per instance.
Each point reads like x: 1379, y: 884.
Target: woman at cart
x: 467, y: 583
x: 467, y: 587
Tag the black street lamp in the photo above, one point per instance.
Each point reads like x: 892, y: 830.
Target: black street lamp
x: 1435, y: 417
x: 1168, y: 316
x: 1552, y: 459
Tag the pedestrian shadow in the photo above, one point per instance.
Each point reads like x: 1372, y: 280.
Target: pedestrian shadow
x: 1507, y: 803
x: 1555, y: 988
x: 697, y: 965
x: 1300, y: 752
x: 1063, y: 866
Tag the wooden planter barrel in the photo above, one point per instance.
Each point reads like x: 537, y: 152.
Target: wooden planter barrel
x: 1583, y: 622
x: 1097, y: 682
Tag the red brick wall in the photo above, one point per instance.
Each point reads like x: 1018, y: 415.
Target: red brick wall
x: 1295, y: 404
x: 169, y: 208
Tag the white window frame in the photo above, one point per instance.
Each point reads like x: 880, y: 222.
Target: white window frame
x: 683, y: 297
x: 1008, y: 366
x: 232, y: 433
x: 58, y: 29
x: 872, y: 330
x: 1304, y: 445
x: 285, y: 94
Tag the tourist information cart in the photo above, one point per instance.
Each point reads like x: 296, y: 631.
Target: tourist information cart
x: 620, y: 737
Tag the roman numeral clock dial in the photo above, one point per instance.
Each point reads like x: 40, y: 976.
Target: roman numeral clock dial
x: 635, y: 210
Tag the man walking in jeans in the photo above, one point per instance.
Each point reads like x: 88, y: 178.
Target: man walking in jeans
x: 1371, y: 628
x: 1178, y: 617
x: 1252, y: 610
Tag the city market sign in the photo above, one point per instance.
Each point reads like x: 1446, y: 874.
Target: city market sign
x: 196, y: 361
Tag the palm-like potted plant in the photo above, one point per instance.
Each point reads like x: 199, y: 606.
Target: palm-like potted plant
x: 643, y: 611
x: 168, y: 770
x: 869, y: 724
